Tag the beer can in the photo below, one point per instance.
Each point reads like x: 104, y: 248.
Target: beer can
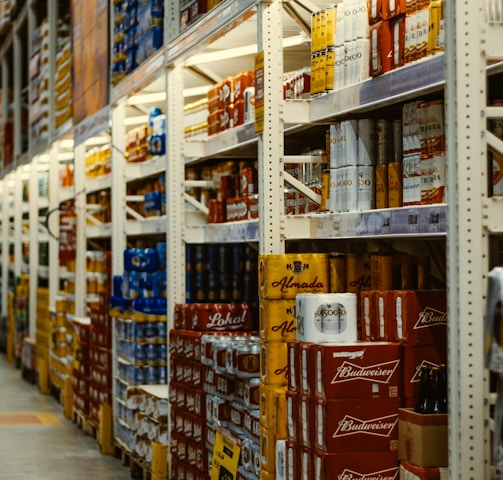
x: 381, y: 186
x: 366, y: 142
x: 436, y: 126
x: 267, y: 454
x: 273, y: 409
x: 357, y: 272
x: 383, y: 136
x: 439, y: 173
x: 274, y: 364
x: 330, y: 24
x: 366, y: 187
x: 285, y: 275
x: 322, y: 36
x: 350, y: 142
x: 395, y: 184
x: 333, y: 191
x: 337, y: 272
x: 411, y: 179
x: 252, y: 395
x: 426, y: 178
x: 314, y: 33
x: 325, y: 190
x: 436, y: 40
x: 277, y: 320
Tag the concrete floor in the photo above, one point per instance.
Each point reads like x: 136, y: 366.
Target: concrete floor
x: 57, y: 451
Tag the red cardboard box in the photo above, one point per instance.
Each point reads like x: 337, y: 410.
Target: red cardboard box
x: 392, y: 8
x: 409, y: 471
x: 413, y: 357
x: 371, y: 465
x: 293, y: 367
x: 365, y: 425
x: 421, y: 317
x: 305, y: 425
x: 306, y: 464
x: 368, y: 315
x: 292, y: 415
x: 359, y: 370
x: 292, y: 458
x: 305, y: 363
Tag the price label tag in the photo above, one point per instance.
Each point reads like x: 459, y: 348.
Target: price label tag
x: 225, y: 458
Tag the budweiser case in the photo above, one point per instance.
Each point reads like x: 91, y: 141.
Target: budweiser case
x: 359, y: 370
x: 420, y: 317
x: 352, y: 466
x: 413, y: 472
x: 357, y: 425
x: 283, y: 276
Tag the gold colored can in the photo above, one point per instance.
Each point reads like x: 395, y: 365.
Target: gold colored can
x: 286, y: 275
x: 273, y: 409
x: 322, y: 71
x: 325, y: 190
x: 329, y: 68
x: 395, y: 182
x: 267, y: 454
x: 436, y: 35
x: 322, y: 39
x: 330, y: 22
x: 337, y: 269
x: 382, y: 199
x: 277, y: 320
x: 274, y: 364
x: 357, y: 272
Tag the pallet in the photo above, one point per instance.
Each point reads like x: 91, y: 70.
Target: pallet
x: 138, y: 468
x: 84, y: 423
x: 29, y: 374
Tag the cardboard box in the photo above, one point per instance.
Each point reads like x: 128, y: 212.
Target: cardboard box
x: 382, y: 465
x: 357, y: 425
x: 413, y: 472
x: 420, y: 317
x: 423, y: 439
x: 359, y: 370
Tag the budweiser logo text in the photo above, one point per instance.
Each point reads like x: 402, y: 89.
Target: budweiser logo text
x: 381, y: 427
x: 429, y: 317
x: 380, y: 373
x: 288, y: 283
x: 390, y: 474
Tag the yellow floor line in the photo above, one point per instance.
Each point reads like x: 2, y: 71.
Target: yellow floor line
x: 28, y: 419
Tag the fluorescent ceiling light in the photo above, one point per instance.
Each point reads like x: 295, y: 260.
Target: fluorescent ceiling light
x: 139, y: 120
x: 66, y: 144
x: 146, y: 98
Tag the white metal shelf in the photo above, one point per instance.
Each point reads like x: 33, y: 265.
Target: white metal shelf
x: 95, y: 184
x: 154, y: 166
x: 65, y: 194
x: 228, y: 141
x: 149, y: 226
x: 415, y: 79
x: 229, y: 232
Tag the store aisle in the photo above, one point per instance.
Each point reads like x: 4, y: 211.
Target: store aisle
x: 37, y: 442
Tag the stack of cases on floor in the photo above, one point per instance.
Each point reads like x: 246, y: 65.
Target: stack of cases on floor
x: 149, y: 418
x: 138, y: 33
x: 281, y: 278
x: 215, y: 367
x: 63, y: 81
x: 81, y: 365
x: 138, y: 307
x: 43, y: 332
x: 100, y: 356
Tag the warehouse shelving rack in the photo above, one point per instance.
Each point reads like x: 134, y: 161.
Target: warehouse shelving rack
x: 473, y: 218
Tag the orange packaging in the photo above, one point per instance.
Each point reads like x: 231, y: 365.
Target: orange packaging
x: 374, y: 8
x: 395, y: 184
x: 381, y: 48
x: 381, y: 185
x: 225, y: 91
x: 241, y: 82
x: 393, y: 8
